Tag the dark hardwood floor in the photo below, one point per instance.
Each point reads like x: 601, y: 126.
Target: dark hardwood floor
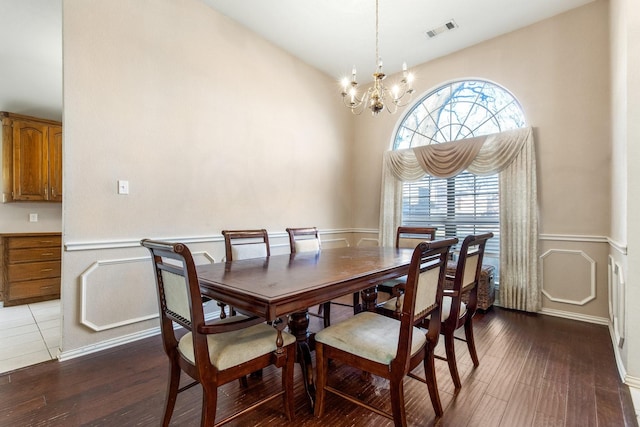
x: 534, y: 371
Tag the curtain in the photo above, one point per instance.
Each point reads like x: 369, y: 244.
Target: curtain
x: 511, y: 154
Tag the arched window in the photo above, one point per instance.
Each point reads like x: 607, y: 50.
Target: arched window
x: 465, y: 204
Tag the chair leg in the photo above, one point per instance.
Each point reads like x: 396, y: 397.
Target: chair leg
x: 287, y: 383
x: 432, y: 383
x: 397, y: 402
x: 468, y: 333
x: 327, y: 314
x: 322, y: 367
x: 449, y: 346
x: 209, y: 402
x: 172, y: 392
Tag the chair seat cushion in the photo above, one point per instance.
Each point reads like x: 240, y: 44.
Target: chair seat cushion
x: 233, y: 348
x: 370, y: 336
x: 446, y: 308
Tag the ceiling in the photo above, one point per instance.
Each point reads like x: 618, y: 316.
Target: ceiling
x: 335, y: 35
x: 331, y: 35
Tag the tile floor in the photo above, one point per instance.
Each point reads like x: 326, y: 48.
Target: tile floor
x: 29, y: 334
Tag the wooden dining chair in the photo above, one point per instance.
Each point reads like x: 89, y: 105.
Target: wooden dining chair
x: 407, y: 237
x: 391, y: 348
x: 213, y: 353
x: 245, y: 244
x: 307, y: 239
x: 455, y: 313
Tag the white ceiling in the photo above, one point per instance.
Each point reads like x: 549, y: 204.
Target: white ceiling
x: 331, y: 35
x: 335, y: 35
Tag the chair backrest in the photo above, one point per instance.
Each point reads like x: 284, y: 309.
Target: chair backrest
x: 423, y: 293
x: 410, y: 237
x: 304, y: 239
x: 179, y: 298
x: 245, y: 244
x: 468, y: 271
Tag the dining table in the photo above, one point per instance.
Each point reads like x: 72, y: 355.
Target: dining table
x: 281, y: 288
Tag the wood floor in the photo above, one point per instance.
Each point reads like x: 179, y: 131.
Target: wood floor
x: 534, y: 371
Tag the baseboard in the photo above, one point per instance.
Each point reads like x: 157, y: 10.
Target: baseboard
x: 575, y: 316
x: 107, y: 344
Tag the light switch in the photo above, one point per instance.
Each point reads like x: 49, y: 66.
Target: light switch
x: 123, y: 187
x: 33, y: 217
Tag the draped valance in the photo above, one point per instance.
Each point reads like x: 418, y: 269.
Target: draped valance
x: 511, y: 154
x: 482, y: 155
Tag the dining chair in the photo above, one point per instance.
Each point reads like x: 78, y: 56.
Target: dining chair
x: 214, y: 353
x: 407, y: 237
x: 244, y: 244
x: 455, y: 313
x: 307, y: 239
x: 391, y: 348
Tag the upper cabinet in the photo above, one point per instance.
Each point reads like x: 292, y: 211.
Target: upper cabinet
x: 31, y: 159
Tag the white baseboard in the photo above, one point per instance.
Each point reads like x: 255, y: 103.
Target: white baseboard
x: 575, y: 316
x: 107, y: 344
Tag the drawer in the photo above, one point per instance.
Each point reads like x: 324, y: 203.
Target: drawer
x: 34, y: 288
x: 33, y: 270
x: 34, y: 254
x: 33, y: 242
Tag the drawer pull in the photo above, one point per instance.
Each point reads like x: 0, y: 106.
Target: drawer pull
x: 46, y: 269
x: 46, y: 287
x: 46, y: 241
x: 47, y: 254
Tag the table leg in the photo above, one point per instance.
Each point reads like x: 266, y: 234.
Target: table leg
x: 369, y: 299
x: 299, y: 327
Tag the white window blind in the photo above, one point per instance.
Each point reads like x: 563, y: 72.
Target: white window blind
x: 458, y: 206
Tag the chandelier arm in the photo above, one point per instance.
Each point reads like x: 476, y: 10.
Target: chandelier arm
x: 376, y: 95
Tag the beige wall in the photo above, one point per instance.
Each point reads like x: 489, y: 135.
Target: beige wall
x: 213, y: 128
x: 15, y: 217
x: 559, y: 71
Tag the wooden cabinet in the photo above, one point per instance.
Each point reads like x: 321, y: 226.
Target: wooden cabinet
x: 31, y: 159
x: 31, y: 265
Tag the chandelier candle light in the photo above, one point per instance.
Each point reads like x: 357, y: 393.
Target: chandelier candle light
x: 374, y: 98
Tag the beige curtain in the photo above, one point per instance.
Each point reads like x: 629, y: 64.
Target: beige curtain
x: 512, y: 155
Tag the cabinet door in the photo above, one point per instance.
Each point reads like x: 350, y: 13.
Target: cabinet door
x: 55, y: 163
x: 30, y: 162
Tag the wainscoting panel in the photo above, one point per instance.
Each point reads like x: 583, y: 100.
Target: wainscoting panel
x: 129, y: 282
x: 569, y: 276
x: 616, y: 285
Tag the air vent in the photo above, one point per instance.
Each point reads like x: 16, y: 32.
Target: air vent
x: 447, y: 26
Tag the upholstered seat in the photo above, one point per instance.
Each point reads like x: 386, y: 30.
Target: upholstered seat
x: 217, y: 352
x: 370, y: 336
x: 387, y: 347
x: 234, y: 348
x: 392, y: 305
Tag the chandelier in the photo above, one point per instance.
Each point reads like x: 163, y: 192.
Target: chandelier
x: 377, y: 97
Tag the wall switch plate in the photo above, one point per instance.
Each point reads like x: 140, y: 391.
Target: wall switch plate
x: 33, y: 217
x: 123, y: 187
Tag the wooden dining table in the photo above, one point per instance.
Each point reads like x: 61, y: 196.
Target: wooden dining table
x: 280, y: 288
